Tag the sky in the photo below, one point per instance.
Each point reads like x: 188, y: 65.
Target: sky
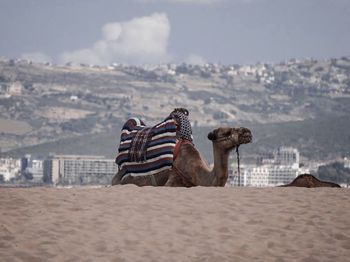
x: 173, y: 31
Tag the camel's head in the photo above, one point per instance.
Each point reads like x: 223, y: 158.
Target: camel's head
x: 230, y: 137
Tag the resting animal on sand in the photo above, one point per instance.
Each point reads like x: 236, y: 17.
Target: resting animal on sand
x: 307, y: 180
x: 188, y: 167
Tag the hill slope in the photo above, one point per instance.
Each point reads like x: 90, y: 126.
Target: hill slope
x: 46, y: 108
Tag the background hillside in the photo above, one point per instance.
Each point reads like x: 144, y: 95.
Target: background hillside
x: 80, y: 109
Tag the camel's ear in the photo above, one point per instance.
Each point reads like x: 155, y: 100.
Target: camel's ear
x: 212, y: 136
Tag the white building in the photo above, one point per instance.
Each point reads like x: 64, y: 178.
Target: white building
x: 287, y: 156
x: 33, y: 167
x: 9, y: 168
x: 36, y: 169
x: 247, y: 70
x: 264, y: 176
x: 282, y: 174
x: 82, y: 170
x: 74, y: 98
x: 15, y: 88
x: 256, y: 176
x: 346, y: 162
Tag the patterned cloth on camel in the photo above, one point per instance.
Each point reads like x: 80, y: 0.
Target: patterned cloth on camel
x: 146, y: 150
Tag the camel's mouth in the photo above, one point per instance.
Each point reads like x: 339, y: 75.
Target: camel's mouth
x: 245, y: 136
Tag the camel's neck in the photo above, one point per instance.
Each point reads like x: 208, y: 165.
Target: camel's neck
x: 220, y: 170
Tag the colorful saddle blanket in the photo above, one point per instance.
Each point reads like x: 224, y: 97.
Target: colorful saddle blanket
x: 146, y: 150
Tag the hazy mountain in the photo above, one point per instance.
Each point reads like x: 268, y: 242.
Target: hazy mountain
x: 81, y: 108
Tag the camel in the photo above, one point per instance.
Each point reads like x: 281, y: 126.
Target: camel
x: 309, y: 181
x: 190, y: 169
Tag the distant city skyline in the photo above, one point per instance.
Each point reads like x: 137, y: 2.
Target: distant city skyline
x: 163, y: 31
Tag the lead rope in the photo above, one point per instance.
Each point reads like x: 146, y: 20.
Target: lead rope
x: 238, y: 167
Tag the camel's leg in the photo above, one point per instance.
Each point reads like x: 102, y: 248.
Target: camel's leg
x: 139, y: 181
x: 155, y: 180
x: 117, y: 179
x: 174, y: 180
x: 170, y: 180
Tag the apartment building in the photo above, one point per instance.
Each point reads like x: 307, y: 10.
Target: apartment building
x: 9, y: 168
x: 80, y: 170
x: 346, y: 162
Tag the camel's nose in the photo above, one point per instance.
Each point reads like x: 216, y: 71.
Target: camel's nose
x: 245, y: 132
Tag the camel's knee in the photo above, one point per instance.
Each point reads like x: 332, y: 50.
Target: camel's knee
x: 116, y: 179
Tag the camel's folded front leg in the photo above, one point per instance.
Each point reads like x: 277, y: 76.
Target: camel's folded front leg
x: 117, y: 178
x: 174, y: 180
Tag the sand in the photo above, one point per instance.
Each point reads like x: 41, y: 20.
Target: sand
x: 129, y: 223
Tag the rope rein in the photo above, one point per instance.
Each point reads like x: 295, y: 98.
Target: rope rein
x: 238, y: 167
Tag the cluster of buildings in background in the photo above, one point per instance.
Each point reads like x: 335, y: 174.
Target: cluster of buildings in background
x: 279, y: 169
x: 58, y: 170
x: 325, y: 76
x: 282, y: 167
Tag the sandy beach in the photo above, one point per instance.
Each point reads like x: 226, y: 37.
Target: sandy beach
x: 129, y: 223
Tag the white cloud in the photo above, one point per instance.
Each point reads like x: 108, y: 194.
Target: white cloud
x: 194, y: 59
x: 37, y: 57
x: 140, y: 40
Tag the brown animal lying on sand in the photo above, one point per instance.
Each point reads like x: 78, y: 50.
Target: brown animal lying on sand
x: 193, y: 170
x: 307, y: 180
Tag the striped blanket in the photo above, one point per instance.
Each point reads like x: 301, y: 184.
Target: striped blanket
x: 146, y: 150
